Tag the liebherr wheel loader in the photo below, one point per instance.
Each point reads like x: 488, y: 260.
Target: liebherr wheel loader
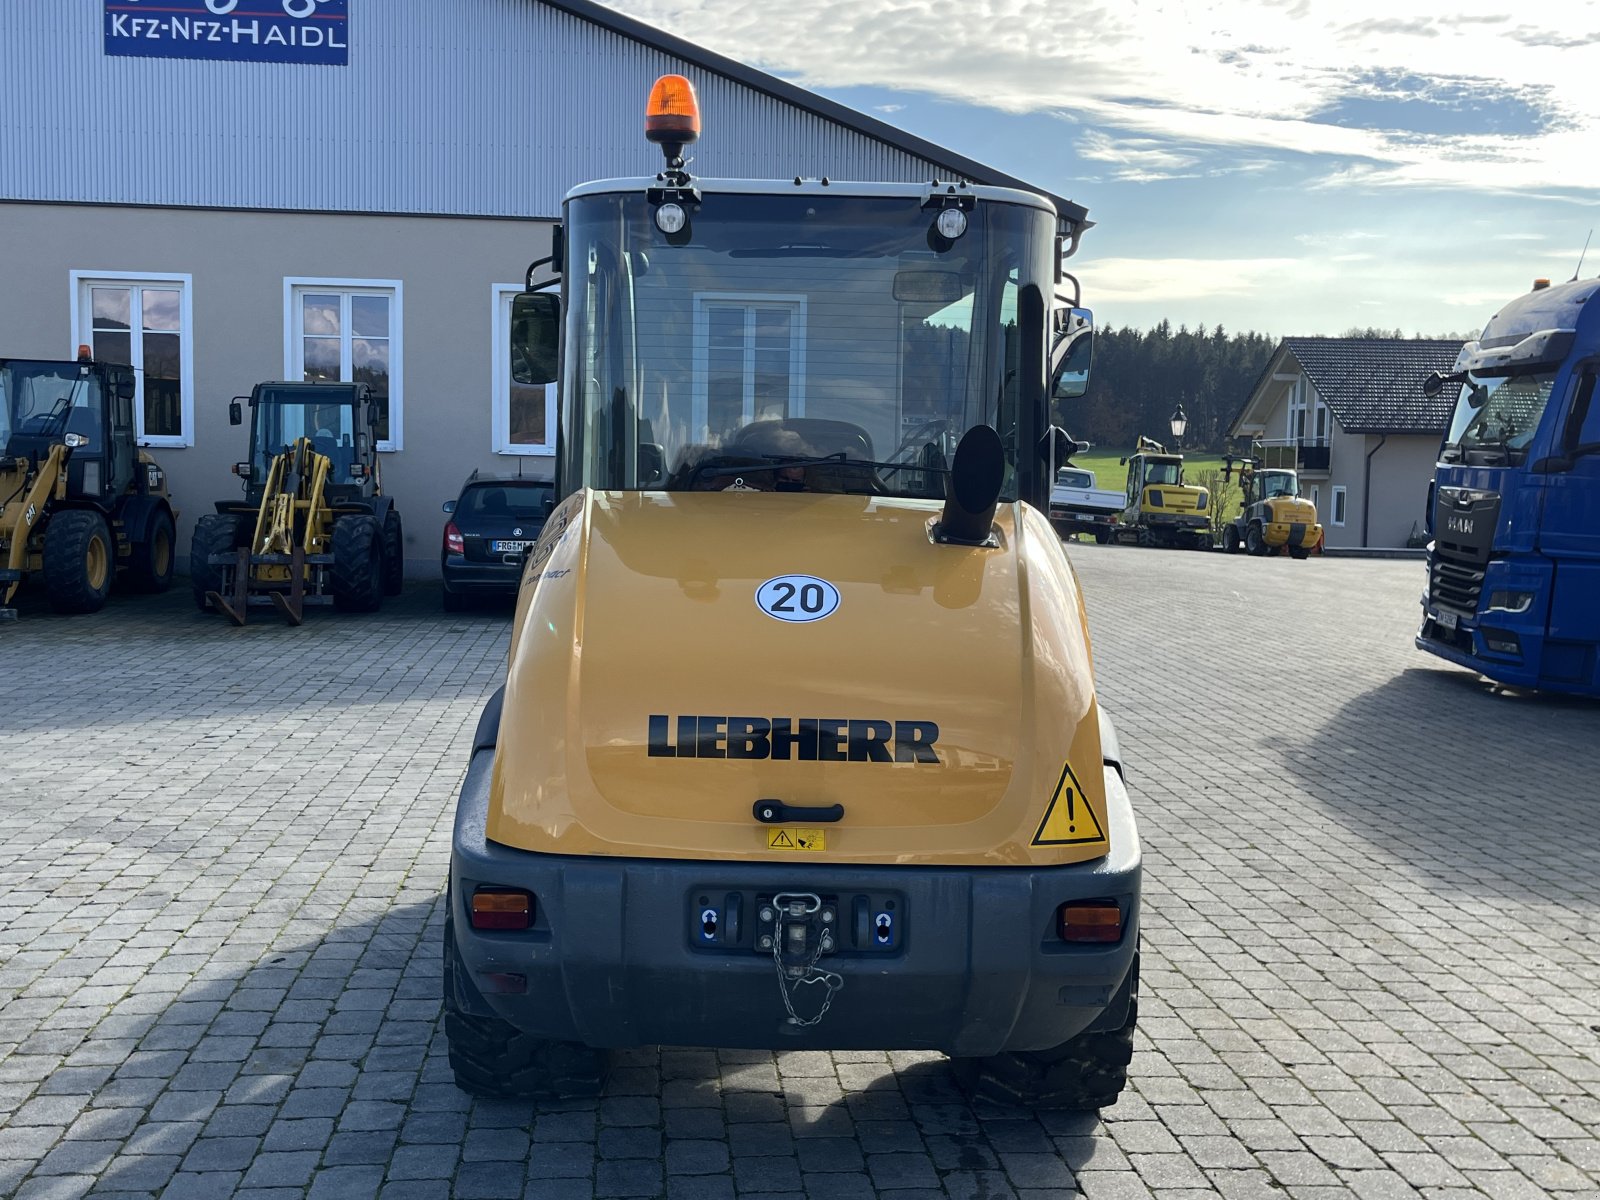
x: 799, y: 745
x: 314, y: 526
x: 1273, y: 515
x: 79, y: 500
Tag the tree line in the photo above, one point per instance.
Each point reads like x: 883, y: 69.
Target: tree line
x: 1140, y: 376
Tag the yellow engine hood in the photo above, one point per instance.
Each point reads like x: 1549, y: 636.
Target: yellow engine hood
x: 651, y: 702
x: 1175, y: 498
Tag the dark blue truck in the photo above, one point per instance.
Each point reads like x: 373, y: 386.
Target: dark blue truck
x: 1514, y: 565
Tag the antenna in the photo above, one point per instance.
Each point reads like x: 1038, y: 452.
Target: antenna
x: 1581, y: 257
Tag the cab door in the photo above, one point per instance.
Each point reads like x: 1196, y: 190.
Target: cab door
x: 120, y: 449
x: 1570, y: 524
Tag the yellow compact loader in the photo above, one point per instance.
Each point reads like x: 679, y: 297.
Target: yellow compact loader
x: 79, y: 501
x: 799, y: 745
x: 314, y: 526
x: 1160, y: 509
x: 1273, y: 515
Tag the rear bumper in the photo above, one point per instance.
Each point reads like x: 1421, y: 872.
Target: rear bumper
x: 616, y: 956
x: 1294, y: 534
x: 462, y: 575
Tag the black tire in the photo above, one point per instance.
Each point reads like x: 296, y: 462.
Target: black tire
x: 1142, y: 536
x: 357, y: 564
x: 1084, y: 1073
x: 1103, y: 536
x: 79, y: 561
x: 1299, y: 552
x: 1230, y: 539
x: 1253, y: 542
x: 150, y: 563
x: 214, y: 533
x: 493, y: 1059
x: 394, y: 554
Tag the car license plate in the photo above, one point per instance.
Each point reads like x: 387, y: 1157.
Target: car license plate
x: 509, y: 547
x: 1445, y: 619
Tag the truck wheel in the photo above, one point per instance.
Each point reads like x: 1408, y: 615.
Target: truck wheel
x: 78, y: 561
x: 394, y: 554
x: 214, y: 533
x: 493, y: 1059
x: 150, y: 564
x: 1230, y: 539
x: 1103, y: 536
x: 357, y: 564
x: 1252, y: 540
x: 1083, y: 1073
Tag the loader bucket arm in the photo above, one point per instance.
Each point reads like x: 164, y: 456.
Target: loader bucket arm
x: 19, y: 516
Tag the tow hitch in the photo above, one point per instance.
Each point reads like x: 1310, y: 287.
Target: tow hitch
x: 799, y: 929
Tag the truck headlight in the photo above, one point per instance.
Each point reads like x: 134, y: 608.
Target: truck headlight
x: 1511, y: 602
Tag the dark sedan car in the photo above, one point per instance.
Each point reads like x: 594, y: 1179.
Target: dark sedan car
x: 492, y: 526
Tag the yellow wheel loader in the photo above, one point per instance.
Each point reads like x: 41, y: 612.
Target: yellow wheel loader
x: 79, y: 501
x: 1160, y: 509
x: 799, y: 745
x: 1273, y: 515
x: 314, y: 526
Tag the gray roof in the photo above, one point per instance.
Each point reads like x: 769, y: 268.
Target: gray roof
x: 1373, y: 385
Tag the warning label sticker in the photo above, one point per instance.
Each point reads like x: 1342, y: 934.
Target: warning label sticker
x: 788, y: 838
x: 1069, y: 821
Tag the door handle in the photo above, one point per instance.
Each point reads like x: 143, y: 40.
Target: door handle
x: 776, y: 812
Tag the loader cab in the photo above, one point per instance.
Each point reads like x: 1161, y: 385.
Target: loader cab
x: 1273, y: 484
x: 833, y: 338
x: 86, y: 405
x: 337, y: 418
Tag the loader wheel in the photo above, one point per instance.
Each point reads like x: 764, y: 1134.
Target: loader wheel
x: 1142, y: 536
x: 214, y: 533
x: 1299, y: 552
x: 1252, y: 540
x: 1230, y: 539
x: 1083, y: 1073
x: 357, y: 564
x: 493, y: 1059
x: 150, y: 564
x: 394, y: 554
x: 78, y: 561
x: 1103, y: 536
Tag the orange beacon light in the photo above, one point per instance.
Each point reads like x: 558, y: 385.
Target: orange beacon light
x: 672, y: 116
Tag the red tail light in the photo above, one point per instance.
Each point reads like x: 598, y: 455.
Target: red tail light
x: 453, y: 541
x: 496, y: 909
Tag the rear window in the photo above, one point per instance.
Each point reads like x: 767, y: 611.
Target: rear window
x: 519, y: 501
x: 1081, y: 479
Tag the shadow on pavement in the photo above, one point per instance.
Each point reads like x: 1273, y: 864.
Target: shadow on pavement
x: 1486, y: 791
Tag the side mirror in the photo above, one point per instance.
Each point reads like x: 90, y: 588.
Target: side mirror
x: 1059, y: 446
x: 1432, y: 384
x: 374, y: 417
x: 125, y: 387
x: 1071, y: 354
x: 235, y: 413
x: 535, y: 337
x: 449, y: 506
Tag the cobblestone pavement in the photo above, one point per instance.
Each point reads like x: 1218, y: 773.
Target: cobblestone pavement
x: 1371, y: 964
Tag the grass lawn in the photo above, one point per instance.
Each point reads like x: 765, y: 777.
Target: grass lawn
x: 1109, y: 473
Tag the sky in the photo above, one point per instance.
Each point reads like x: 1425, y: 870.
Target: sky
x: 1294, y: 167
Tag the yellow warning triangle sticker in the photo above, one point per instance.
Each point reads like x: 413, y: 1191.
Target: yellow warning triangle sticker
x: 780, y: 838
x: 1069, y: 821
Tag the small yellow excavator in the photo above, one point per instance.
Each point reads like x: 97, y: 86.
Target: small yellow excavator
x: 78, y: 499
x: 1160, y: 509
x: 314, y: 526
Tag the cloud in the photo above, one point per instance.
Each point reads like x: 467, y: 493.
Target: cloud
x: 1179, y: 279
x: 1475, y: 99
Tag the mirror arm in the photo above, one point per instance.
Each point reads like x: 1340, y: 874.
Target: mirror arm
x: 553, y: 262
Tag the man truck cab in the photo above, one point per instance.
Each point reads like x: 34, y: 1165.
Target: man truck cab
x: 799, y: 745
x: 1514, y: 566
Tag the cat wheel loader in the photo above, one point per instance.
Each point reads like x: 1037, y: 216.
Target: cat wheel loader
x: 79, y: 501
x: 1273, y: 516
x: 314, y: 526
x: 799, y: 745
x: 1162, y: 510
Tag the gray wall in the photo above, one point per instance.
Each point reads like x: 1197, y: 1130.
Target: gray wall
x: 483, y: 107
x: 239, y: 261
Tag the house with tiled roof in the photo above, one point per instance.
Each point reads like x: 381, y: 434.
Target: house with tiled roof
x: 1350, y: 416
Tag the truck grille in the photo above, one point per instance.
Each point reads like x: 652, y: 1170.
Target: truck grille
x: 1463, y: 535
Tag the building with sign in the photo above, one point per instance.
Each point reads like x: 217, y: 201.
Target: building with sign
x: 221, y: 192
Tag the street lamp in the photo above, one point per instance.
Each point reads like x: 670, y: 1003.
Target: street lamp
x: 1179, y: 422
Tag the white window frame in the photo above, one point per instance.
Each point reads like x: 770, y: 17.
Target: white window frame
x: 701, y: 412
x: 1340, y: 510
x: 1297, y: 407
x: 83, y: 323
x: 500, y: 309
x: 294, y: 334
x: 1316, y: 498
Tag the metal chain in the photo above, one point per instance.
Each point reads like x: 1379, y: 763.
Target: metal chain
x: 809, y: 975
